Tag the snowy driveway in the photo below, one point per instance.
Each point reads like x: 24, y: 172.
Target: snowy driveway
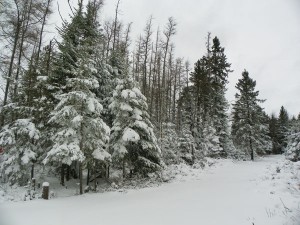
x: 241, y: 193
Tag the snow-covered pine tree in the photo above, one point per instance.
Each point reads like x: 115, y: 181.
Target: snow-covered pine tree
x: 263, y: 141
x: 274, y: 134
x: 190, y: 145
x: 218, y: 69
x: 283, y: 121
x: 210, y: 140
x: 197, y: 103
x: 292, y: 150
x: 106, y: 78
x: 249, y: 127
x: 209, y: 79
x: 81, y: 135
x: 21, y: 135
x: 20, y: 141
x: 293, y: 147
x: 132, y: 139
x: 104, y: 72
x: 169, y: 144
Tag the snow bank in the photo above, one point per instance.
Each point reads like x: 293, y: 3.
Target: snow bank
x: 226, y: 193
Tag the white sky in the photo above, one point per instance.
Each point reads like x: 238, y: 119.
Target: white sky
x: 262, y: 36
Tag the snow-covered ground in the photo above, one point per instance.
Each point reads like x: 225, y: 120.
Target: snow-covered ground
x: 263, y: 192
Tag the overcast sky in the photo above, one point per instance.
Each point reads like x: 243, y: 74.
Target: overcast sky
x: 262, y: 36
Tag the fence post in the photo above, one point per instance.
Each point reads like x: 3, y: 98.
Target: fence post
x: 45, y: 194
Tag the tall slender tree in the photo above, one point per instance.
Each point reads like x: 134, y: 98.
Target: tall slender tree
x: 283, y: 121
x: 249, y: 130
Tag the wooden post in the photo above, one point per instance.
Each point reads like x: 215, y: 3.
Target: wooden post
x: 45, y: 194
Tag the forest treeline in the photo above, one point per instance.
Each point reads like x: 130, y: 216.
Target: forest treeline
x: 89, y: 102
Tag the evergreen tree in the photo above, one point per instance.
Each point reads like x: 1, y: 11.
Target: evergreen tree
x: 190, y: 146
x: 292, y: 150
x: 132, y: 139
x: 202, y: 87
x: 21, y: 135
x: 283, y: 120
x: 293, y: 147
x: 209, y: 79
x: 80, y: 134
x: 274, y: 134
x: 249, y: 128
x: 169, y: 144
x: 219, y: 69
x: 20, y: 141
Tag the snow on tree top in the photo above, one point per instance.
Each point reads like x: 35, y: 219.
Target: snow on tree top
x: 130, y: 135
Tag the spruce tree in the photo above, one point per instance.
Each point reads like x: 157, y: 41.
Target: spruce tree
x: 249, y: 128
x: 292, y: 150
x: 169, y: 144
x: 209, y: 79
x: 190, y: 146
x: 80, y: 134
x: 21, y: 135
x: 132, y: 140
x: 274, y: 134
x: 283, y: 120
x: 219, y: 68
x: 20, y: 141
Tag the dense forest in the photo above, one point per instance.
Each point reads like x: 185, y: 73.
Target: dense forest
x: 88, y: 102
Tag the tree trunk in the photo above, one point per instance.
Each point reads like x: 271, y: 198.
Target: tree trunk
x: 88, y: 177
x: 107, y: 171
x: 49, y: 58
x: 62, y: 174
x: 10, y: 70
x: 115, y: 25
x: 24, y: 31
x: 146, y: 44
x: 80, y: 179
x: 32, y: 171
x: 123, y: 167
x: 68, y: 172
x: 33, y: 181
x: 95, y: 180
x: 251, y: 149
x: 42, y: 30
